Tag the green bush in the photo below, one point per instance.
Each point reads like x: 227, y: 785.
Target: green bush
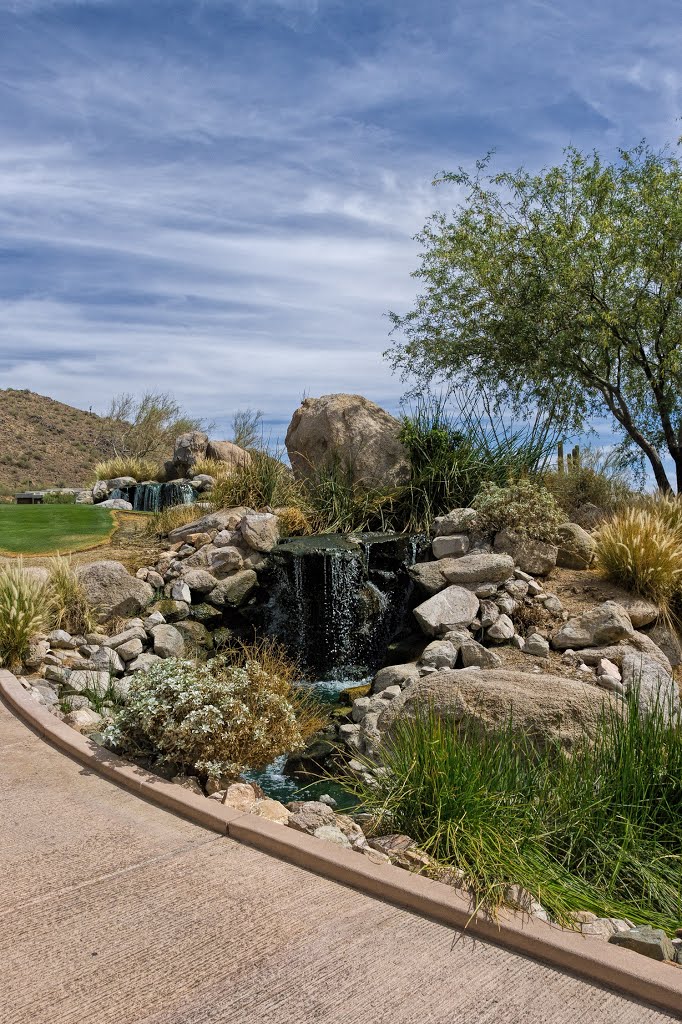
x: 25, y: 609
x: 59, y: 498
x: 598, y: 829
x: 526, y: 507
x: 238, y: 711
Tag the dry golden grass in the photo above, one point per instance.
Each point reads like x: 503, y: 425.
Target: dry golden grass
x: 128, y: 465
x: 638, y: 550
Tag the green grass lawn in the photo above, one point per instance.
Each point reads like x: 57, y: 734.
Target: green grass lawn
x: 46, y: 529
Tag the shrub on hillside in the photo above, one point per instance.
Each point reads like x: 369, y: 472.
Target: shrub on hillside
x: 127, y: 465
x: 25, y: 609
x: 639, y: 551
x: 526, y: 507
x: 238, y: 711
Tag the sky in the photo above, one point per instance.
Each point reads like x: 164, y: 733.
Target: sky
x: 218, y: 198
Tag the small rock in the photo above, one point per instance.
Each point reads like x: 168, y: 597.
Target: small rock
x: 309, y: 815
x: 56, y: 674
x: 476, y: 655
x: 450, y: 547
x: 179, y: 591
x: 241, y: 796
x: 272, y: 810
x: 459, y: 520
x: 142, y: 662
x: 652, y: 942
x: 89, y: 679
x: 59, y: 639
x: 536, y: 646
x: 83, y: 719
x: 332, y: 834
x: 168, y: 642
x: 501, y: 631
x: 130, y: 650
x: 326, y: 799
x: 107, y: 659
x: 439, y: 654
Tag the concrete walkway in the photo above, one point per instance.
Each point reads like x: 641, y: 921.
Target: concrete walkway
x: 112, y: 910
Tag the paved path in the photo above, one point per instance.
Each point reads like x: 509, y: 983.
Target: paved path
x: 112, y: 910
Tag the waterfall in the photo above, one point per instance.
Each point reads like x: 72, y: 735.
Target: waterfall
x: 154, y: 497
x: 337, y: 601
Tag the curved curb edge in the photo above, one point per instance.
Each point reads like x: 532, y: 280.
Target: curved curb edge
x: 630, y: 973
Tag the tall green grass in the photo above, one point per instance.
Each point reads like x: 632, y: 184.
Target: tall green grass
x: 598, y: 829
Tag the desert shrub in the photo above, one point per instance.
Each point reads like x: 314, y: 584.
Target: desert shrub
x: 211, y: 467
x: 334, y: 503
x: 127, y: 465
x: 293, y: 522
x: 526, y: 507
x: 453, y: 453
x: 601, y: 479
x: 70, y: 609
x: 144, y: 427
x: 264, y: 482
x: 25, y: 609
x: 160, y: 524
x: 239, y: 710
x: 247, y: 428
x: 59, y: 498
x: 598, y: 829
x: 639, y: 551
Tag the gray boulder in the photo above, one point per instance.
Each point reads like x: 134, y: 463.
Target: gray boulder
x: 536, y: 557
x: 351, y: 432
x: 395, y: 675
x: 229, y: 453
x: 478, y: 567
x: 223, y: 519
x: 199, y: 581
x: 168, y: 642
x: 428, y: 577
x: 453, y: 546
x: 118, y: 504
x: 606, y: 624
x: 447, y: 610
x: 576, y: 547
x: 668, y: 641
x: 439, y: 654
x: 111, y: 591
x: 235, y: 590
x: 651, y: 942
x: 544, y: 707
x: 189, y: 448
x: 459, y: 520
x: 260, y: 530
x: 654, y: 686
x: 476, y: 655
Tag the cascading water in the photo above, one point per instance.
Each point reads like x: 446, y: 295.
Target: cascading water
x: 337, y: 601
x: 154, y: 497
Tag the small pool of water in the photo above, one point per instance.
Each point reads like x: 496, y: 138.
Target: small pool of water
x: 285, y: 788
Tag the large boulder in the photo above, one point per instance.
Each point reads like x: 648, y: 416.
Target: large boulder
x: 541, y: 706
x: 112, y: 592
x: 478, y: 567
x: 428, y: 576
x: 447, y: 610
x: 349, y: 431
x: 189, y: 448
x: 649, y: 680
x: 576, y: 547
x: 231, y: 454
x: 536, y: 557
x: 223, y: 519
x: 606, y: 624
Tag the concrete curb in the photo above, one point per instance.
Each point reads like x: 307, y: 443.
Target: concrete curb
x: 634, y: 975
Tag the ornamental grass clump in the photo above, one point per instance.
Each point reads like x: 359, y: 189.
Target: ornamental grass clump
x: 127, y: 465
x: 25, y: 609
x: 70, y: 609
x: 638, y: 550
x: 236, y: 712
x: 525, y: 507
x: 597, y: 828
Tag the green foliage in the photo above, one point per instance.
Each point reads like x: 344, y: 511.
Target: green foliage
x: 70, y: 609
x: 59, y: 498
x: 265, y: 481
x: 144, y: 428
x: 453, y: 454
x: 25, y: 609
x: 333, y: 503
x: 640, y: 551
x: 601, y: 479
x: 216, y: 719
x: 247, y: 428
x: 526, y: 507
x: 127, y: 465
x: 560, y: 290
x: 598, y: 829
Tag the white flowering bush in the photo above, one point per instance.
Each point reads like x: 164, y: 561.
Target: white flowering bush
x: 215, y: 719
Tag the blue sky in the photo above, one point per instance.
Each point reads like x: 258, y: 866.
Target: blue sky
x: 218, y: 197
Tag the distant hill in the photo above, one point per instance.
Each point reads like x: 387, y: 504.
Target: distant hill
x: 44, y: 443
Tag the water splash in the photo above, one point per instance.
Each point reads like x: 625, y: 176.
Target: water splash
x: 154, y: 497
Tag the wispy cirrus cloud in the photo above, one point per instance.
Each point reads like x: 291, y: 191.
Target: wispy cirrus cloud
x: 218, y: 198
